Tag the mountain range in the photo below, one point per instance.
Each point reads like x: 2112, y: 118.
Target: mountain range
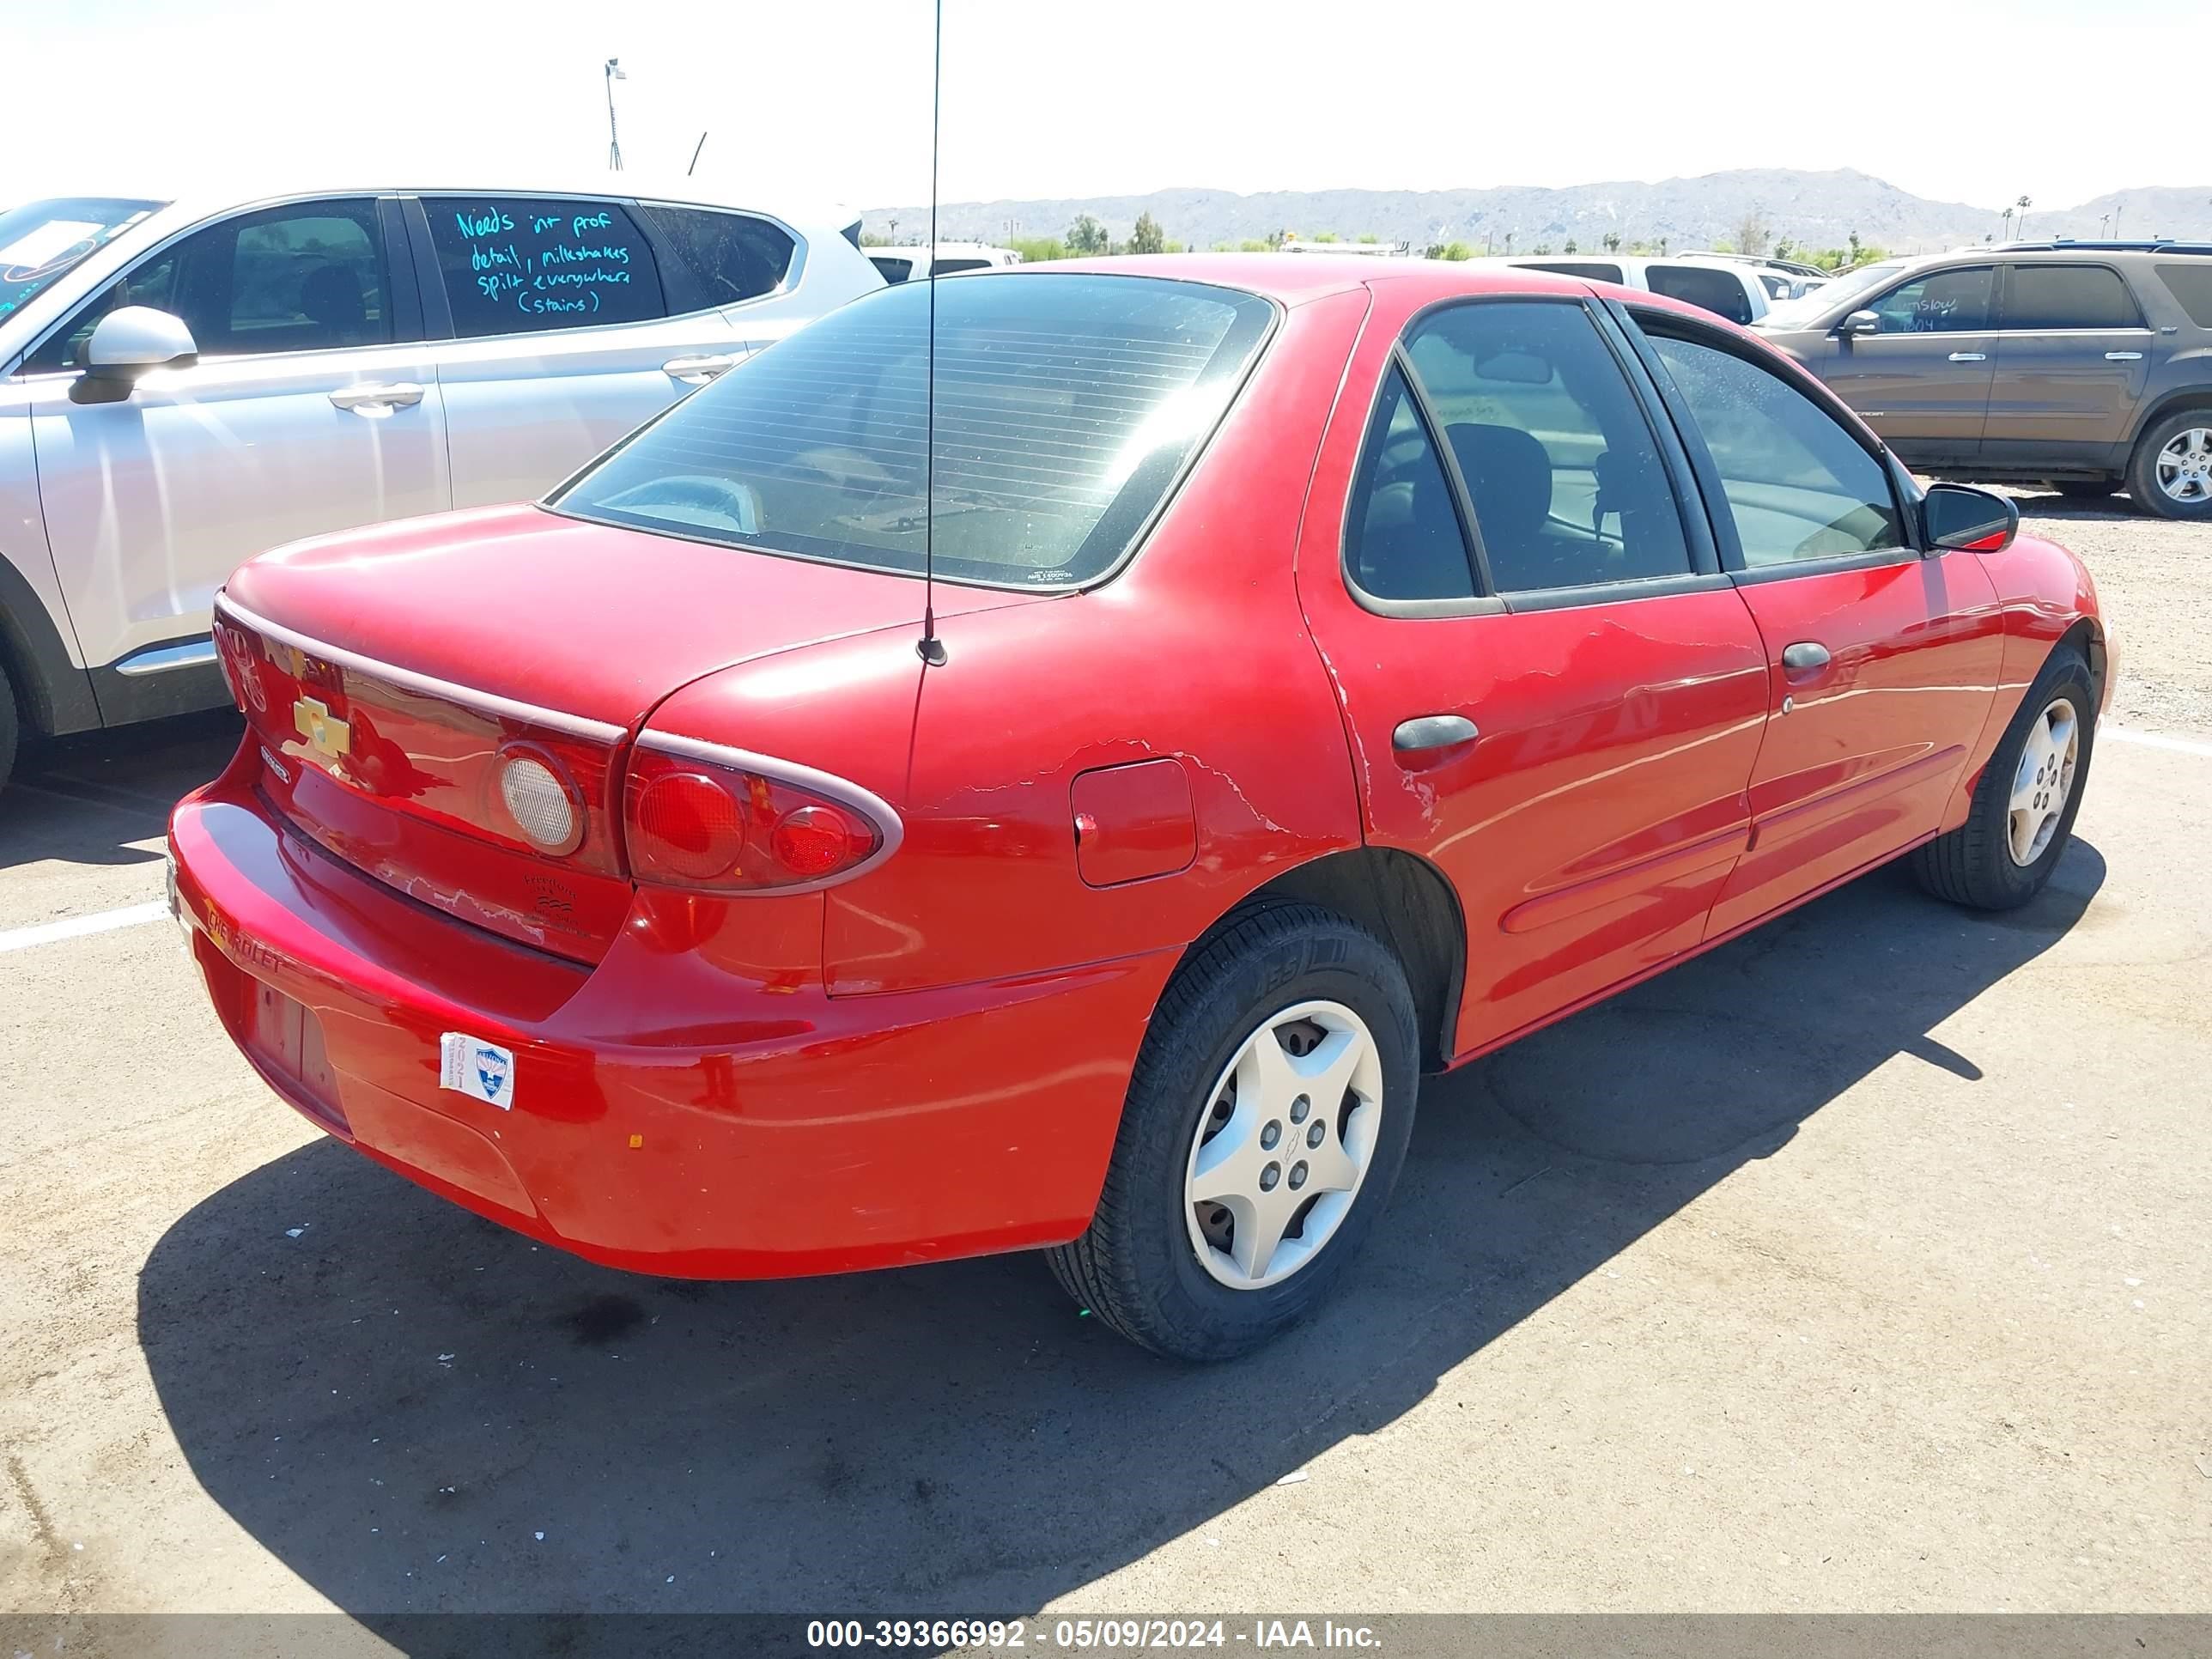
x: 1812, y: 209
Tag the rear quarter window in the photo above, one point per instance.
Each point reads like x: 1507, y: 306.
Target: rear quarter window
x: 2192, y: 285
x: 1066, y: 407
x: 1718, y: 291
x: 720, y: 258
x: 515, y: 264
x: 2053, y: 299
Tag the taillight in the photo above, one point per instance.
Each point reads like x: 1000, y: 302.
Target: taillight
x: 695, y: 815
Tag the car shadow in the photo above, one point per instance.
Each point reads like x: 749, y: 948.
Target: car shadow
x: 84, y: 799
x: 416, y: 1410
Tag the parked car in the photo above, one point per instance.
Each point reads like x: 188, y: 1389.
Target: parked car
x: 184, y: 383
x: 1306, y: 674
x: 905, y: 265
x: 2090, y: 367
x: 1783, y: 279
x: 1719, y: 285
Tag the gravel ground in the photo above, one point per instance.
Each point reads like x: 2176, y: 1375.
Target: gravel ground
x: 2155, y: 581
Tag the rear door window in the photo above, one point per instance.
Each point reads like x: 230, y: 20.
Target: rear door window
x: 1718, y: 291
x: 1939, y: 302
x: 2053, y: 299
x: 894, y: 267
x: 1560, y: 463
x: 1402, y: 535
x: 721, y: 258
x: 1065, y: 407
x: 515, y: 265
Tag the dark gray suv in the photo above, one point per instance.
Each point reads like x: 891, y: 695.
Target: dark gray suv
x: 2087, y: 365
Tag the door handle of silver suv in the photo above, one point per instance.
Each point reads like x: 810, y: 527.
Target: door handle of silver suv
x: 377, y: 397
x: 1970, y: 356
x: 697, y: 371
x: 2124, y: 356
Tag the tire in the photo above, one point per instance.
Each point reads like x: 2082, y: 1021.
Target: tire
x: 1976, y: 865
x: 10, y: 728
x: 2143, y: 468
x: 2086, y: 489
x: 1138, y: 1265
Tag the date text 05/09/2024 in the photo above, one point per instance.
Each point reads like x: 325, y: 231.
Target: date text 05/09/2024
x: 1122, y: 1634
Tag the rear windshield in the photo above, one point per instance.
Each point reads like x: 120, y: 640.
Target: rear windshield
x: 39, y: 240
x: 1066, y: 406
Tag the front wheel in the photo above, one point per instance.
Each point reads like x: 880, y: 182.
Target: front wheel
x: 2023, y: 808
x: 1266, y: 1122
x: 2170, y: 474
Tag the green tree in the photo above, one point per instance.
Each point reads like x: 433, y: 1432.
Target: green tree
x: 1147, y: 237
x: 1571, y: 245
x: 1038, y: 250
x: 1781, y: 248
x: 1086, y: 235
x: 1370, y: 238
x: 1327, y: 236
x: 1249, y: 246
x: 1458, y: 250
x: 1753, y: 235
x: 1613, y: 241
x: 1543, y: 247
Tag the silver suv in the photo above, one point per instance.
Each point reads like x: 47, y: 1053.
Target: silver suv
x: 183, y: 384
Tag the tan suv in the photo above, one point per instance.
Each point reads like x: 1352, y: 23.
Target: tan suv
x: 2088, y: 365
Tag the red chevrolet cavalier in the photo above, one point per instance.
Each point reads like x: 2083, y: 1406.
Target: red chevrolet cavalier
x: 793, y: 847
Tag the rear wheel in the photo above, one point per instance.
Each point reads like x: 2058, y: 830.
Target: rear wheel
x: 1266, y: 1123
x: 2172, y: 472
x: 2023, y: 809
x: 2086, y: 489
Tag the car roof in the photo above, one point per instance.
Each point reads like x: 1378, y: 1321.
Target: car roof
x: 201, y: 197
x: 1293, y: 279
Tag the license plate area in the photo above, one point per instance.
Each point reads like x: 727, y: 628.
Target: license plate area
x: 284, y: 1039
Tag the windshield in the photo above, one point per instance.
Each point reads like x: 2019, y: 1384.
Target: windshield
x: 1805, y: 312
x: 1065, y: 407
x: 39, y: 240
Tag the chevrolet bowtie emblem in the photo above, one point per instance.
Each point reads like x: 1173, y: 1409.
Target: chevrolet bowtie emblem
x: 327, y: 735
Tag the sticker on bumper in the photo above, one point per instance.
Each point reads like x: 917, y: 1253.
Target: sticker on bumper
x: 483, y: 1071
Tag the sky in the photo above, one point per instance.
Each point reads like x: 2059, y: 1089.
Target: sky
x: 815, y: 102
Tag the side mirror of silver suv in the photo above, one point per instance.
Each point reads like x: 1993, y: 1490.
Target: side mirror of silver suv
x: 127, y: 343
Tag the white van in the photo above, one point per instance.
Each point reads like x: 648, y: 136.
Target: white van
x: 1712, y: 282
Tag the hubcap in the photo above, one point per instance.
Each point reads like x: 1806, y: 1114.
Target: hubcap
x: 2042, y: 781
x: 2185, y: 465
x: 1285, y: 1142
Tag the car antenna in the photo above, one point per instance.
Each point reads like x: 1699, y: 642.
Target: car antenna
x: 931, y: 647
x: 694, y: 167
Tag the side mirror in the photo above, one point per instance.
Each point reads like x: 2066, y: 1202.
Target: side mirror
x: 1959, y: 517
x: 1860, y: 322
x: 129, y: 342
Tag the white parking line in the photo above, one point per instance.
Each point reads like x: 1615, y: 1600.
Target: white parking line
x: 22, y: 938
x: 2154, y: 740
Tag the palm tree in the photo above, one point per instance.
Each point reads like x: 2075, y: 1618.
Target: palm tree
x: 2023, y: 204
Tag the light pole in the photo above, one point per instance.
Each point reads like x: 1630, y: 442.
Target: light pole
x: 614, y: 144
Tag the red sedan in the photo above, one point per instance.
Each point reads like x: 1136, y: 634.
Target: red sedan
x: 799, y: 846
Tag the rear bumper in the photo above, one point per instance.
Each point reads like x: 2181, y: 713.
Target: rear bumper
x: 794, y: 1133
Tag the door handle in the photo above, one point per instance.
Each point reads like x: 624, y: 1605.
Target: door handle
x: 374, y: 397
x: 697, y: 371
x: 2124, y: 356
x: 1970, y: 356
x: 1432, y: 733
x: 1806, y: 657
